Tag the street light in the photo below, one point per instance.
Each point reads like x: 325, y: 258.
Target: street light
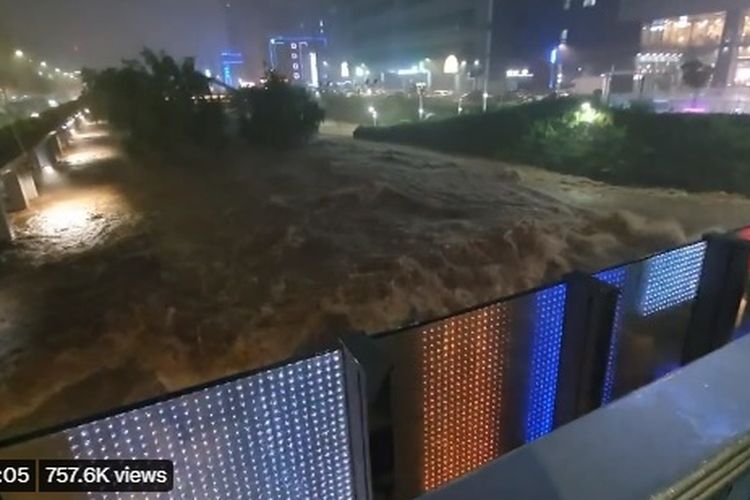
x: 452, y: 67
x: 43, y: 64
x: 374, y: 114
x: 19, y: 53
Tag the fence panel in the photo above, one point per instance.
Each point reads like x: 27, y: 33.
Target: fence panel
x: 652, y: 316
x: 283, y: 433
x: 469, y: 388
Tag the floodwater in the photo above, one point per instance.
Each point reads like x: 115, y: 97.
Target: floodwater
x: 132, y: 278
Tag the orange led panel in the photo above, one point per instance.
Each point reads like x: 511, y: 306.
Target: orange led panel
x: 464, y: 360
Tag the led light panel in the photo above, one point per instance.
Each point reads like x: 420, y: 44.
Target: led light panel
x: 616, y: 278
x: 672, y: 278
x: 464, y: 360
x: 549, y: 322
x: 279, y: 434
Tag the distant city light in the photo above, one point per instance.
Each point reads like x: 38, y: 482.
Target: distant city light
x: 57, y: 70
x: 19, y: 53
x: 43, y: 64
x: 451, y: 66
x: 314, y: 76
x: 345, y: 70
x: 588, y: 114
x: 519, y: 73
x: 414, y: 70
x: 53, y: 103
x: 359, y: 71
x: 34, y: 115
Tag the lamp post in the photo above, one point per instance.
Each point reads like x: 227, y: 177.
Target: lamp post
x: 374, y: 114
x: 421, y: 89
x: 559, y: 78
x: 488, y: 53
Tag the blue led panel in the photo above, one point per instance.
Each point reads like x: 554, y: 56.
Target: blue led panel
x: 279, y: 434
x: 616, y: 278
x: 549, y: 323
x: 672, y: 278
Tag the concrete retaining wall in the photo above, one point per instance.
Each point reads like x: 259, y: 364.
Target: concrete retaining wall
x: 23, y: 177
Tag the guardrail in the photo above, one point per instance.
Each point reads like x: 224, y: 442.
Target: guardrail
x: 23, y: 177
x: 467, y: 389
x: 403, y: 413
x: 684, y: 437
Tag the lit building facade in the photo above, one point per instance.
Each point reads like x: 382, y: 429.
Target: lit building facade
x: 716, y: 32
x: 414, y: 36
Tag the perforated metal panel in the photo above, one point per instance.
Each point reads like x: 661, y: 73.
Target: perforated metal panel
x: 651, y: 317
x: 464, y: 360
x: 672, y: 278
x: 278, y: 434
x: 549, y: 320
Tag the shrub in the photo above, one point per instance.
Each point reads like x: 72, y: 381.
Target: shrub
x: 636, y: 147
x: 277, y: 114
x: 568, y: 145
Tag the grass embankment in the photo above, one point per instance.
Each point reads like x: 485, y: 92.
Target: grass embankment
x: 31, y: 130
x: 629, y: 147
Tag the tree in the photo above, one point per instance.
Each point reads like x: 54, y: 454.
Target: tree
x: 696, y: 75
x: 160, y: 102
x: 277, y: 114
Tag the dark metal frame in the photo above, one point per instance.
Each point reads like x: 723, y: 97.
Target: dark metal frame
x: 722, y: 285
x: 589, y: 319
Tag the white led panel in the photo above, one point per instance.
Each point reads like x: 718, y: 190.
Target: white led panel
x: 672, y: 278
x: 279, y: 434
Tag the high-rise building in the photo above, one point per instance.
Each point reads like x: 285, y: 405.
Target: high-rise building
x: 716, y: 32
x: 252, y: 23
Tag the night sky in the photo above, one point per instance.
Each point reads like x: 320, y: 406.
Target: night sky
x: 96, y: 33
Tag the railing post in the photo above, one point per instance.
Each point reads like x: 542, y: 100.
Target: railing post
x: 60, y: 142
x: 722, y: 285
x: 589, y: 317
x: 14, y: 189
x: 36, y: 166
x: 357, y: 383
x: 6, y: 232
x: 24, y: 170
